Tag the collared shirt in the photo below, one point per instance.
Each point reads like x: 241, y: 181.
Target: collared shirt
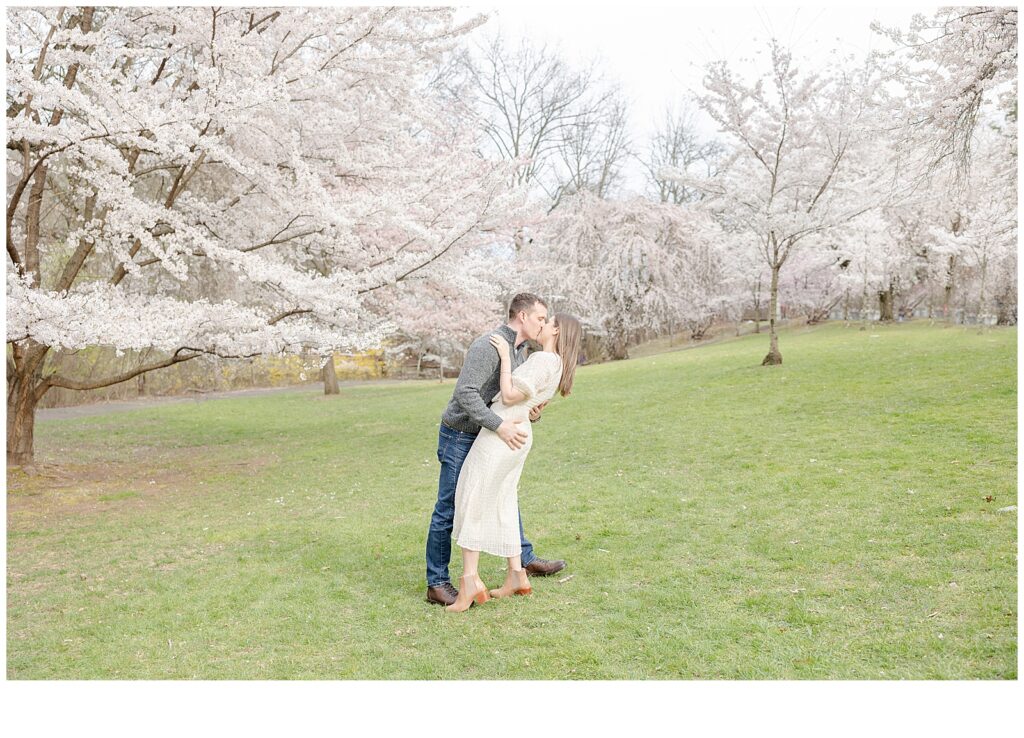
x: 478, y: 383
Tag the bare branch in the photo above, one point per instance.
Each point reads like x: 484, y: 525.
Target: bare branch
x: 58, y: 381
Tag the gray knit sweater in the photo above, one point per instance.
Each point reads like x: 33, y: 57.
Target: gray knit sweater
x: 478, y: 383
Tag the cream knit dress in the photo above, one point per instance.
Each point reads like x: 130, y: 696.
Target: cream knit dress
x: 486, y: 495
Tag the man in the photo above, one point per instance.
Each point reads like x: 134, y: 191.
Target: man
x: 468, y: 411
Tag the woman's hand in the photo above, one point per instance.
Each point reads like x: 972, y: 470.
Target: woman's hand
x: 509, y: 395
x: 501, y: 345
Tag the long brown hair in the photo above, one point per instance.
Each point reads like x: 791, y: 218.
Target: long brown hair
x: 567, y: 346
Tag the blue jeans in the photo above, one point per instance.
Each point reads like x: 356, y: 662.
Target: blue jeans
x: 452, y: 448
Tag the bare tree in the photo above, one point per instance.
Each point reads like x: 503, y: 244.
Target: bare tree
x: 534, y: 105
x: 676, y: 144
x: 593, y: 150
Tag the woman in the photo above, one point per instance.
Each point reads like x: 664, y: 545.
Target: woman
x: 486, y: 496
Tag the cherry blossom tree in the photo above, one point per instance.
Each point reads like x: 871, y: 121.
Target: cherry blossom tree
x: 871, y: 266
x: 949, y: 81
x: 226, y: 181
x: 798, y: 167
x: 713, y: 285
x: 436, y: 318
x: 437, y: 322
x: 950, y: 67
x: 958, y: 243
x: 812, y: 283
x: 755, y: 278
x: 986, y: 207
x: 624, y: 266
x: 1004, y: 290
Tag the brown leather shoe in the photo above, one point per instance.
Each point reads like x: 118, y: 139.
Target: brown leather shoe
x: 443, y: 594
x: 544, y: 568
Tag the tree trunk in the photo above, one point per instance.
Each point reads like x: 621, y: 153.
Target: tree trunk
x: 617, y: 341
x: 1006, y: 309
x: 330, y: 377
x: 774, y: 357
x: 618, y: 348
x: 948, y: 288
x: 26, y: 387
x: 885, y: 304
x: 982, y: 297
x: 699, y: 329
x: 21, y: 420
x: 757, y: 306
x: 24, y: 391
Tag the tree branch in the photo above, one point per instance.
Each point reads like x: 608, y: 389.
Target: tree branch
x: 58, y: 381
x: 415, y: 269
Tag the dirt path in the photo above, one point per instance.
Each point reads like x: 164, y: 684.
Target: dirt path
x: 651, y: 348
x: 117, y: 406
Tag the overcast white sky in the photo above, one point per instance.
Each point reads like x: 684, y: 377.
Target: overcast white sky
x: 657, y: 52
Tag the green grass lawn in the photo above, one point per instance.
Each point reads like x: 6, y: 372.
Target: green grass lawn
x: 835, y: 517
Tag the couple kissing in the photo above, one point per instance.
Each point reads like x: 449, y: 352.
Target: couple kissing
x: 485, y: 436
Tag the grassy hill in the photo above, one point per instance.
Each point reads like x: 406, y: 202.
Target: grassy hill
x: 835, y: 517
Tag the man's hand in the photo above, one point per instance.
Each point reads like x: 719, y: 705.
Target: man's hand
x: 513, y: 437
x: 535, y: 412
